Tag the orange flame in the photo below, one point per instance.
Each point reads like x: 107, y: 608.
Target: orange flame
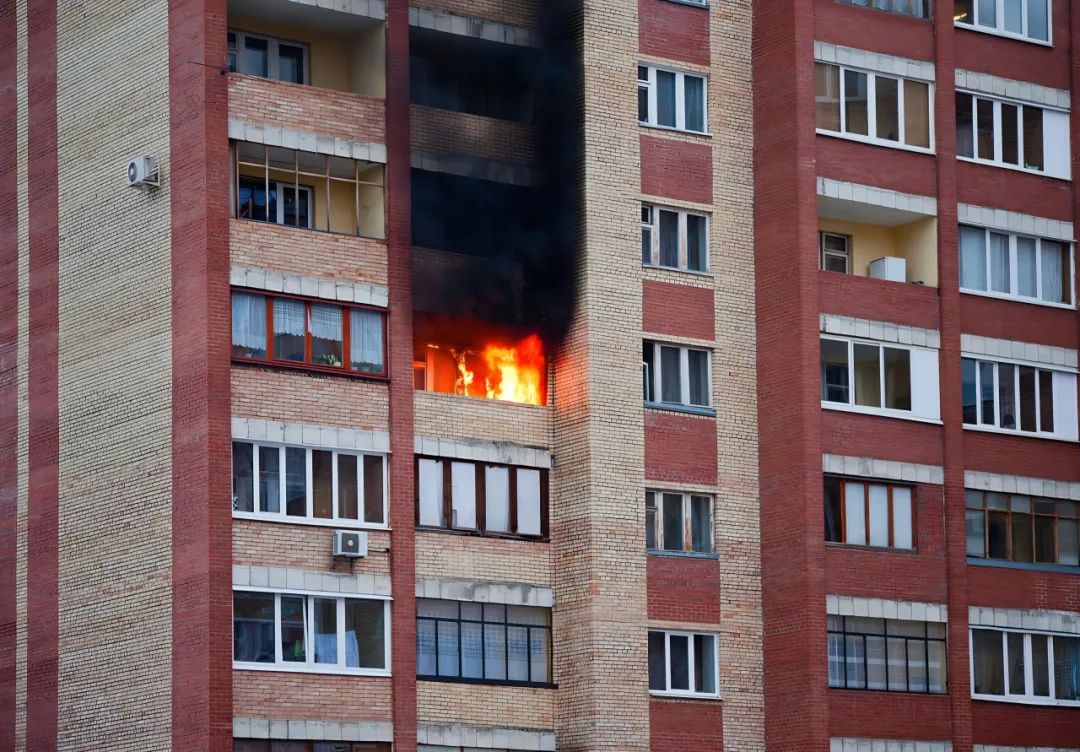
x: 514, y: 373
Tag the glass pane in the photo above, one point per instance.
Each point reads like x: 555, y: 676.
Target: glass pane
x: 431, y: 492
x: 670, y: 380
x: 1056, y: 279
x: 540, y: 655
x: 936, y: 666
x: 984, y: 126
x: 836, y: 660
x: 917, y: 113
x: 643, y: 103
x: 254, y: 58
x: 1068, y: 542
x: 657, y: 663
x: 1015, y: 653
x: 867, y: 375
x: 497, y: 502
x: 916, y: 665
x: 834, y: 520
x: 1023, y: 545
x: 366, y: 341
x: 1037, y: 22
x: 972, y: 258
x: 365, y: 634
x: 855, y: 513
x: 673, y: 522
x: 648, y: 372
x: 447, y: 634
x: 1027, y: 398
x: 965, y: 137
x: 999, y: 262
x: 269, y: 479
x: 243, y: 469
x: 295, y: 482
x: 322, y: 489
x: 897, y: 656
x: 463, y: 495
x: 646, y: 245
x: 528, y: 502
x: 348, y: 498
x: 902, y: 517
x: 248, y: 325
x: 1040, y: 665
x: 325, y: 630
x: 326, y: 338
x: 494, y: 651
x: 295, y: 205
x: 705, y: 664
x: 1006, y: 396
x: 290, y: 63
x: 650, y: 521
x: 665, y: 98
x: 827, y: 96
x: 879, y: 515
x: 997, y: 535
x: 1033, y: 138
x: 251, y: 198
x: 854, y: 655
x: 472, y: 651
x: 679, y: 645
x: 293, y: 647
x: 374, y: 470
x: 974, y: 526
x: 1026, y: 276
x: 1046, y: 401
x: 253, y: 627
x: 1014, y: 16
x: 989, y: 662
x: 425, y: 647
x: 876, y: 677
x: 1010, y: 133
x: 986, y: 394
x: 962, y: 11
x: 897, y: 378
x: 694, y: 101
x: 968, y: 391
x: 1044, y: 540
x: 834, y: 371
x: 669, y: 238
x: 855, y: 100
x: 987, y: 10
x: 1067, y: 668
x: 289, y: 329
x: 701, y: 523
x: 517, y: 641
x: 696, y: 243
x: 887, y: 94
x: 698, y: 361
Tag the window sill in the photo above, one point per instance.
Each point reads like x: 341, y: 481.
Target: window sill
x: 1045, y: 701
x: 1002, y: 34
x: 691, y: 3
x: 878, y: 412
x: 680, y: 554
x: 688, y: 409
x: 309, y: 229
x: 336, y: 524
x: 875, y: 549
x: 326, y: 671
x: 1014, y: 168
x: 661, y: 695
x: 1018, y: 434
x: 1030, y: 566
x: 692, y: 272
x: 673, y: 129
x: 310, y: 368
x: 488, y: 682
x: 875, y: 141
x: 485, y: 535
x: 1017, y: 299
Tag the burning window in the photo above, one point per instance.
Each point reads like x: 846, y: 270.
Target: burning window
x: 502, y: 368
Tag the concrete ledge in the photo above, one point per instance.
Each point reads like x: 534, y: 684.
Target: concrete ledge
x: 313, y: 287
x: 1010, y: 221
x: 331, y: 731
x: 855, y: 744
x: 510, y: 593
x: 459, y: 735
x: 846, y: 605
x: 998, y: 748
x: 882, y: 331
x: 472, y: 26
x: 478, y: 450
x: 871, y: 467
x: 1062, y: 622
x: 1046, y: 355
x: 872, y: 196
x: 316, y: 143
x: 1054, y: 489
x: 995, y: 86
x: 302, y: 434
x: 283, y: 579
x: 874, y: 61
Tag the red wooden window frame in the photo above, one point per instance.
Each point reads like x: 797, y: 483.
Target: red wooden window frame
x: 1033, y: 516
x: 867, y: 482
x: 306, y: 364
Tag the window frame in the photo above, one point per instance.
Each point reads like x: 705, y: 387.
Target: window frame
x: 481, y: 499
x: 867, y: 5
x: 1016, y: 365
x: 998, y: 134
x: 309, y: 666
x: 871, y: 110
x: 999, y: 30
x: 506, y: 624
x: 309, y: 518
x: 1028, y: 698
x: 824, y: 253
x: 649, y: 85
x: 926, y: 639
x: 654, y: 380
x: 306, y: 365
x: 984, y: 510
x: 653, y: 227
x: 687, y: 497
x: 851, y: 405
x: 844, y: 480
x: 273, y: 56
x: 691, y: 675
x: 1014, y: 278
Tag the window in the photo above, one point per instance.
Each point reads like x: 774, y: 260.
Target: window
x: 676, y: 375
x: 310, y: 633
x: 1015, y: 527
x: 869, y: 514
x: 1015, y: 266
x: 682, y: 663
x: 323, y: 336
x: 678, y: 522
x: 865, y: 374
x: 483, y: 642
x: 873, y: 107
x: 835, y: 252
x: 1025, y: 666
x: 916, y: 8
x: 1011, y: 134
x: 1027, y: 19
x: 674, y: 239
x: 298, y: 484
x: 671, y: 99
x: 500, y: 500
x: 886, y: 654
x: 266, y: 57
x: 1015, y: 397
x: 304, y: 189
x: 268, y: 745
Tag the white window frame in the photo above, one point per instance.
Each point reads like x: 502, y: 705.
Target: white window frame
x: 309, y: 666
x: 684, y: 376
x: 273, y: 58
x: 928, y: 5
x: 997, y: 160
x: 850, y: 405
x: 687, y: 517
x: 1014, y: 280
x: 999, y: 27
x: 1028, y: 698
x: 309, y: 518
x: 680, y: 97
x: 668, y: 634
x: 871, y: 110
x: 1017, y: 364
x: 653, y: 226
x: 833, y: 254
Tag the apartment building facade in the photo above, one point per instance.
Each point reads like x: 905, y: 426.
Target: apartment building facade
x: 411, y: 280
x: 917, y: 360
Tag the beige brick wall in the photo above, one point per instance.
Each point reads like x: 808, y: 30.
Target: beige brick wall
x: 281, y: 695
x: 309, y: 547
x: 452, y: 416
x: 514, y: 12
x: 299, y: 251
x: 446, y: 555
x: 485, y: 705
x: 115, y: 380
x: 312, y: 398
x: 23, y: 381
x: 434, y: 131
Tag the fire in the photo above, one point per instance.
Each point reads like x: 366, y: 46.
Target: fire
x: 496, y: 370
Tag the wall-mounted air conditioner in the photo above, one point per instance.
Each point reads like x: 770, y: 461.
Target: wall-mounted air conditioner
x: 350, y: 543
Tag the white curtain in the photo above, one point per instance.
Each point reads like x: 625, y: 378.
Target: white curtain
x: 249, y: 322
x: 972, y: 258
x: 326, y: 322
x: 999, y: 262
x: 1054, y: 258
x: 366, y: 341
x: 289, y: 317
x: 1026, y: 280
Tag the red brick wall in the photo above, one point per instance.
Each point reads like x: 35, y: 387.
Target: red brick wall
x: 436, y: 131
x: 888, y: 715
x: 284, y: 695
x: 310, y: 547
x: 1011, y: 58
x: 680, y: 448
x: 1024, y: 726
x: 1002, y: 587
x: 684, y: 589
x: 673, y: 31
x: 1020, y: 455
x: 677, y: 310
x: 306, y: 108
x: 984, y: 185
x: 894, y: 169
x: 676, y: 169
x: 9, y: 334
x: 878, y: 299
x: 885, y: 438
x: 1007, y: 319
x: 863, y: 28
x: 681, y: 725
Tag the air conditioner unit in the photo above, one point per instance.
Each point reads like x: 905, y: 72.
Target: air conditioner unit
x: 889, y: 268
x: 142, y: 172
x: 350, y: 543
